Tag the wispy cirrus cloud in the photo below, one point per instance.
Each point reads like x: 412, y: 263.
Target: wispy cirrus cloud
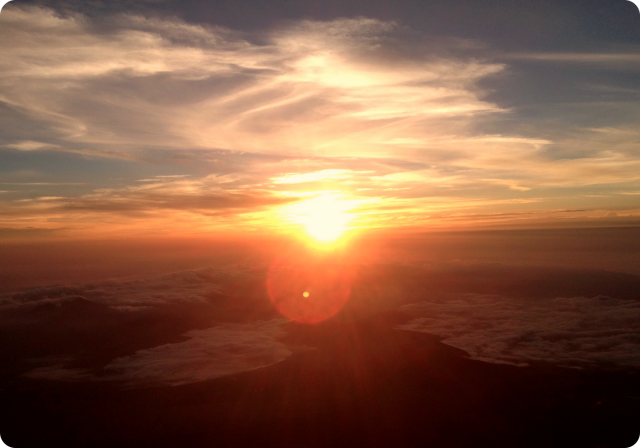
x: 310, y: 87
x: 367, y: 108
x: 188, y: 202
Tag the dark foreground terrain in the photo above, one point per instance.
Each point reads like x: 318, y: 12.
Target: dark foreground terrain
x: 365, y: 384
x: 355, y: 380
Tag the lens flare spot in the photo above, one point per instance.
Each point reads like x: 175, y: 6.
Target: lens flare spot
x: 289, y: 283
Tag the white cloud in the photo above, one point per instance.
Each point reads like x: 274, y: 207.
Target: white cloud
x: 575, y: 331
x: 224, y: 349
x: 218, y: 351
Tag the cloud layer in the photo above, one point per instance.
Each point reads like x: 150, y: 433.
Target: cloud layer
x: 218, y: 351
x: 177, y: 288
x: 569, y: 331
x: 229, y: 336
x: 216, y: 321
x: 222, y: 350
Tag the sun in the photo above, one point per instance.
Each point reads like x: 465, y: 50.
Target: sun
x: 324, y: 216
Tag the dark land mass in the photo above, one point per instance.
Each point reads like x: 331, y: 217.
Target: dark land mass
x: 365, y: 384
x: 361, y: 382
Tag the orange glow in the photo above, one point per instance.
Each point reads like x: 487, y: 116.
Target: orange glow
x: 324, y: 217
x: 308, y: 290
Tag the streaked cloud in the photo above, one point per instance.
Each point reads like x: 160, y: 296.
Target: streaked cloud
x: 28, y: 145
x: 368, y: 109
x: 602, y: 58
x: 312, y: 177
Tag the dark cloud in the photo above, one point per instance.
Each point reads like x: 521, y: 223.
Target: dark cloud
x: 96, y: 8
x: 58, y: 372
x: 182, y: 287
x: 29, y: 232
x: 160, y: 194
x: 142, y: 202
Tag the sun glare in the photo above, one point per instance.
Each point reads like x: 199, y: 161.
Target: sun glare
x: 324, y: 217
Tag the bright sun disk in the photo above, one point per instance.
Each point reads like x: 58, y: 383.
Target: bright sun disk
x: 324, y: 217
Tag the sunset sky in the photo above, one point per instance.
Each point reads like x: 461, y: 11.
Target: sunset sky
x: 320, y: 223
x: 182, y: 117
